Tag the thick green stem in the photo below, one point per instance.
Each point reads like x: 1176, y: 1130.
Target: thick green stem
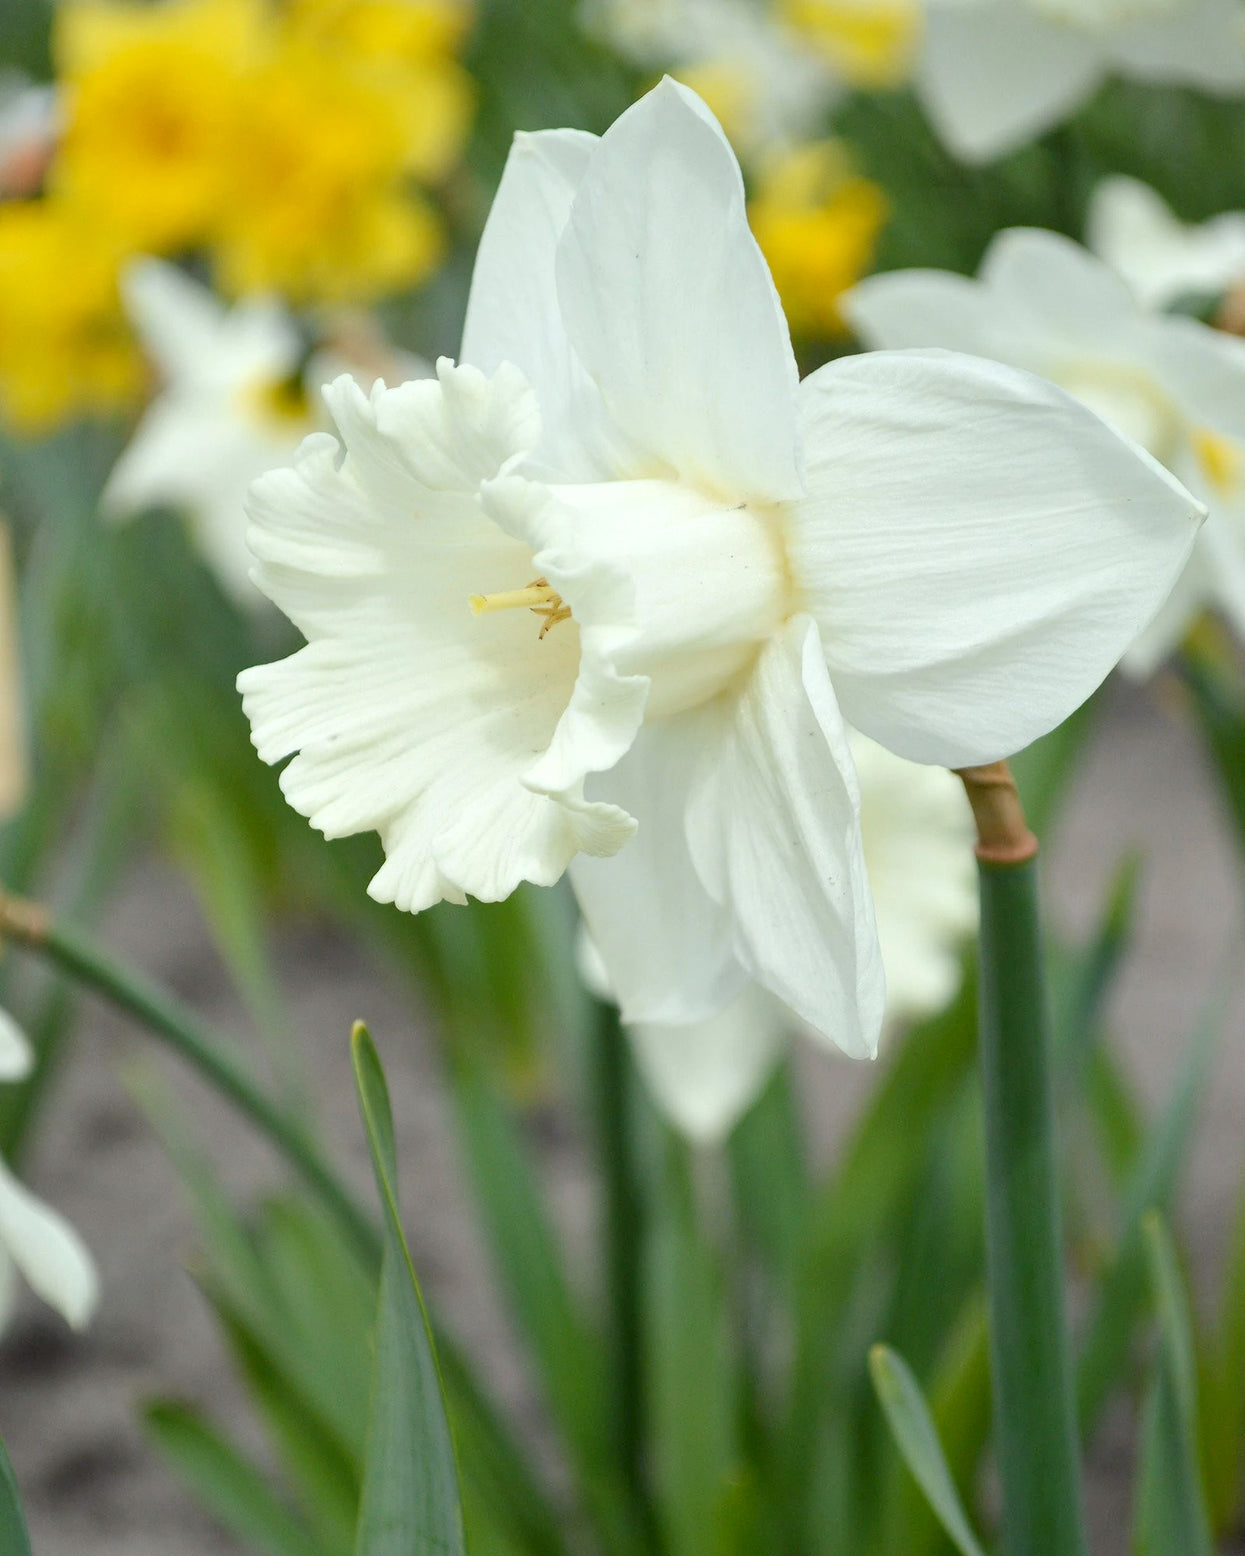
x: 622, y: 1225
x: 1035, y: 1428
x: 177, y: 1028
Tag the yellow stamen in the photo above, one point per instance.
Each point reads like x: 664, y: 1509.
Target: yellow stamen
x: 539, y: 597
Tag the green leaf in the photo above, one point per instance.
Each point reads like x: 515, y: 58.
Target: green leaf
x: 769, y: 1173
x: 14, y: 1540
x: 232, y: 1489
x: 693, y: 1390
x: 569, y: 1356
x: 914, y: 1431
x: 323, y: 1472
x: 411, y: 1501
x: 1120, y: 1294
x: 1171, y: 1505
x: 853, y: 1212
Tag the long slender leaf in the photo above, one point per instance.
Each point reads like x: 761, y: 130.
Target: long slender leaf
x: 411, y: 1500
x: 1171, y: 1504
x: 692, y: 1385
x: 915, y: 1433
x: 234, y: 1490
x: 14, y: 1540
x: 568, y: 1354
x: 1120, y: 1295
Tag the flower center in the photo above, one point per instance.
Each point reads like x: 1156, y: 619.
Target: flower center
x: 1219, y: 459
x: 539, y: 597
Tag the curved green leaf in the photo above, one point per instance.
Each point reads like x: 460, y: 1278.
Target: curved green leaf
x: 236, y: 1493
x: 411, y: 1500
x: 917, y: 1438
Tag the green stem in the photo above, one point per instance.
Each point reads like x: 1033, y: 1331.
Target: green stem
x: 622, y: 1223
x: 178, y: 1029
x: 1035, y: 1427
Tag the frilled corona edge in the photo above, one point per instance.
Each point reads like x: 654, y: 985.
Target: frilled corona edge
x: 1003, y: 835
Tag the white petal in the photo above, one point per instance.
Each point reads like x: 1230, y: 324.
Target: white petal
x: 774, y: 828
x: 707, y: 1074
x: 194, y: 339
x: 1130, y: 227
x: 993, y: 76
x: 1201, y: 44
x: 1041, y: 302
x: 936, y: 308
x: 1166, y: 631
x: 1203, y: 369
x: 918, y: 837
x: 411, y: 716
x: 48, y: 1252
x: 513, y: 313
x: 978, y: 548
x: 665, y: 944
x: 670, y: 306
x: 1057, y: 286
x: 16, y: 1058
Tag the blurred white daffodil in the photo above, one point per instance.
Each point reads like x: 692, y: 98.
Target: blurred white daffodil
x: 1163, y: 259
x: 1171, y: 383
x: 995, y: 73
x: 36, y: 1242
x: 604, y: 591
x: 917, y: 831
x: 764, y: 83
x: 231, y: 405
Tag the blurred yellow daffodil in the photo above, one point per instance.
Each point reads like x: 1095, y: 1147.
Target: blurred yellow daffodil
x: 411, y: 45
x: 321, y: 208
x: 64, y: 343
x: 817, y: 223
x: 155, y: 112
x: 869, y: 43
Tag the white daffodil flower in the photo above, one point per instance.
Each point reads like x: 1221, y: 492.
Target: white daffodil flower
x: 917, y: 830
x: 1174, y: 385
x: 995, y: 73
x: 604, y: 590
x: 35, y: 1241
x: 1163, y: 259
x: 230, y: 407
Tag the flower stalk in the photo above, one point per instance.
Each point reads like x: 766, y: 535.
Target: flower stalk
x: 1035, y: 1430
x: 622, y: 1236
x: 29, y: 925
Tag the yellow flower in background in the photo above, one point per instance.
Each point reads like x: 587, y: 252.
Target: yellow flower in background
x: 320, y: 209
x: 817, y: 223
x: 65, y: 347
x: 155, y: 123
x: 870, y: 43
x: 412, y: 46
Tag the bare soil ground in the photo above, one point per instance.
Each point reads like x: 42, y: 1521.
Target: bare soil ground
x: 67, y: 1405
